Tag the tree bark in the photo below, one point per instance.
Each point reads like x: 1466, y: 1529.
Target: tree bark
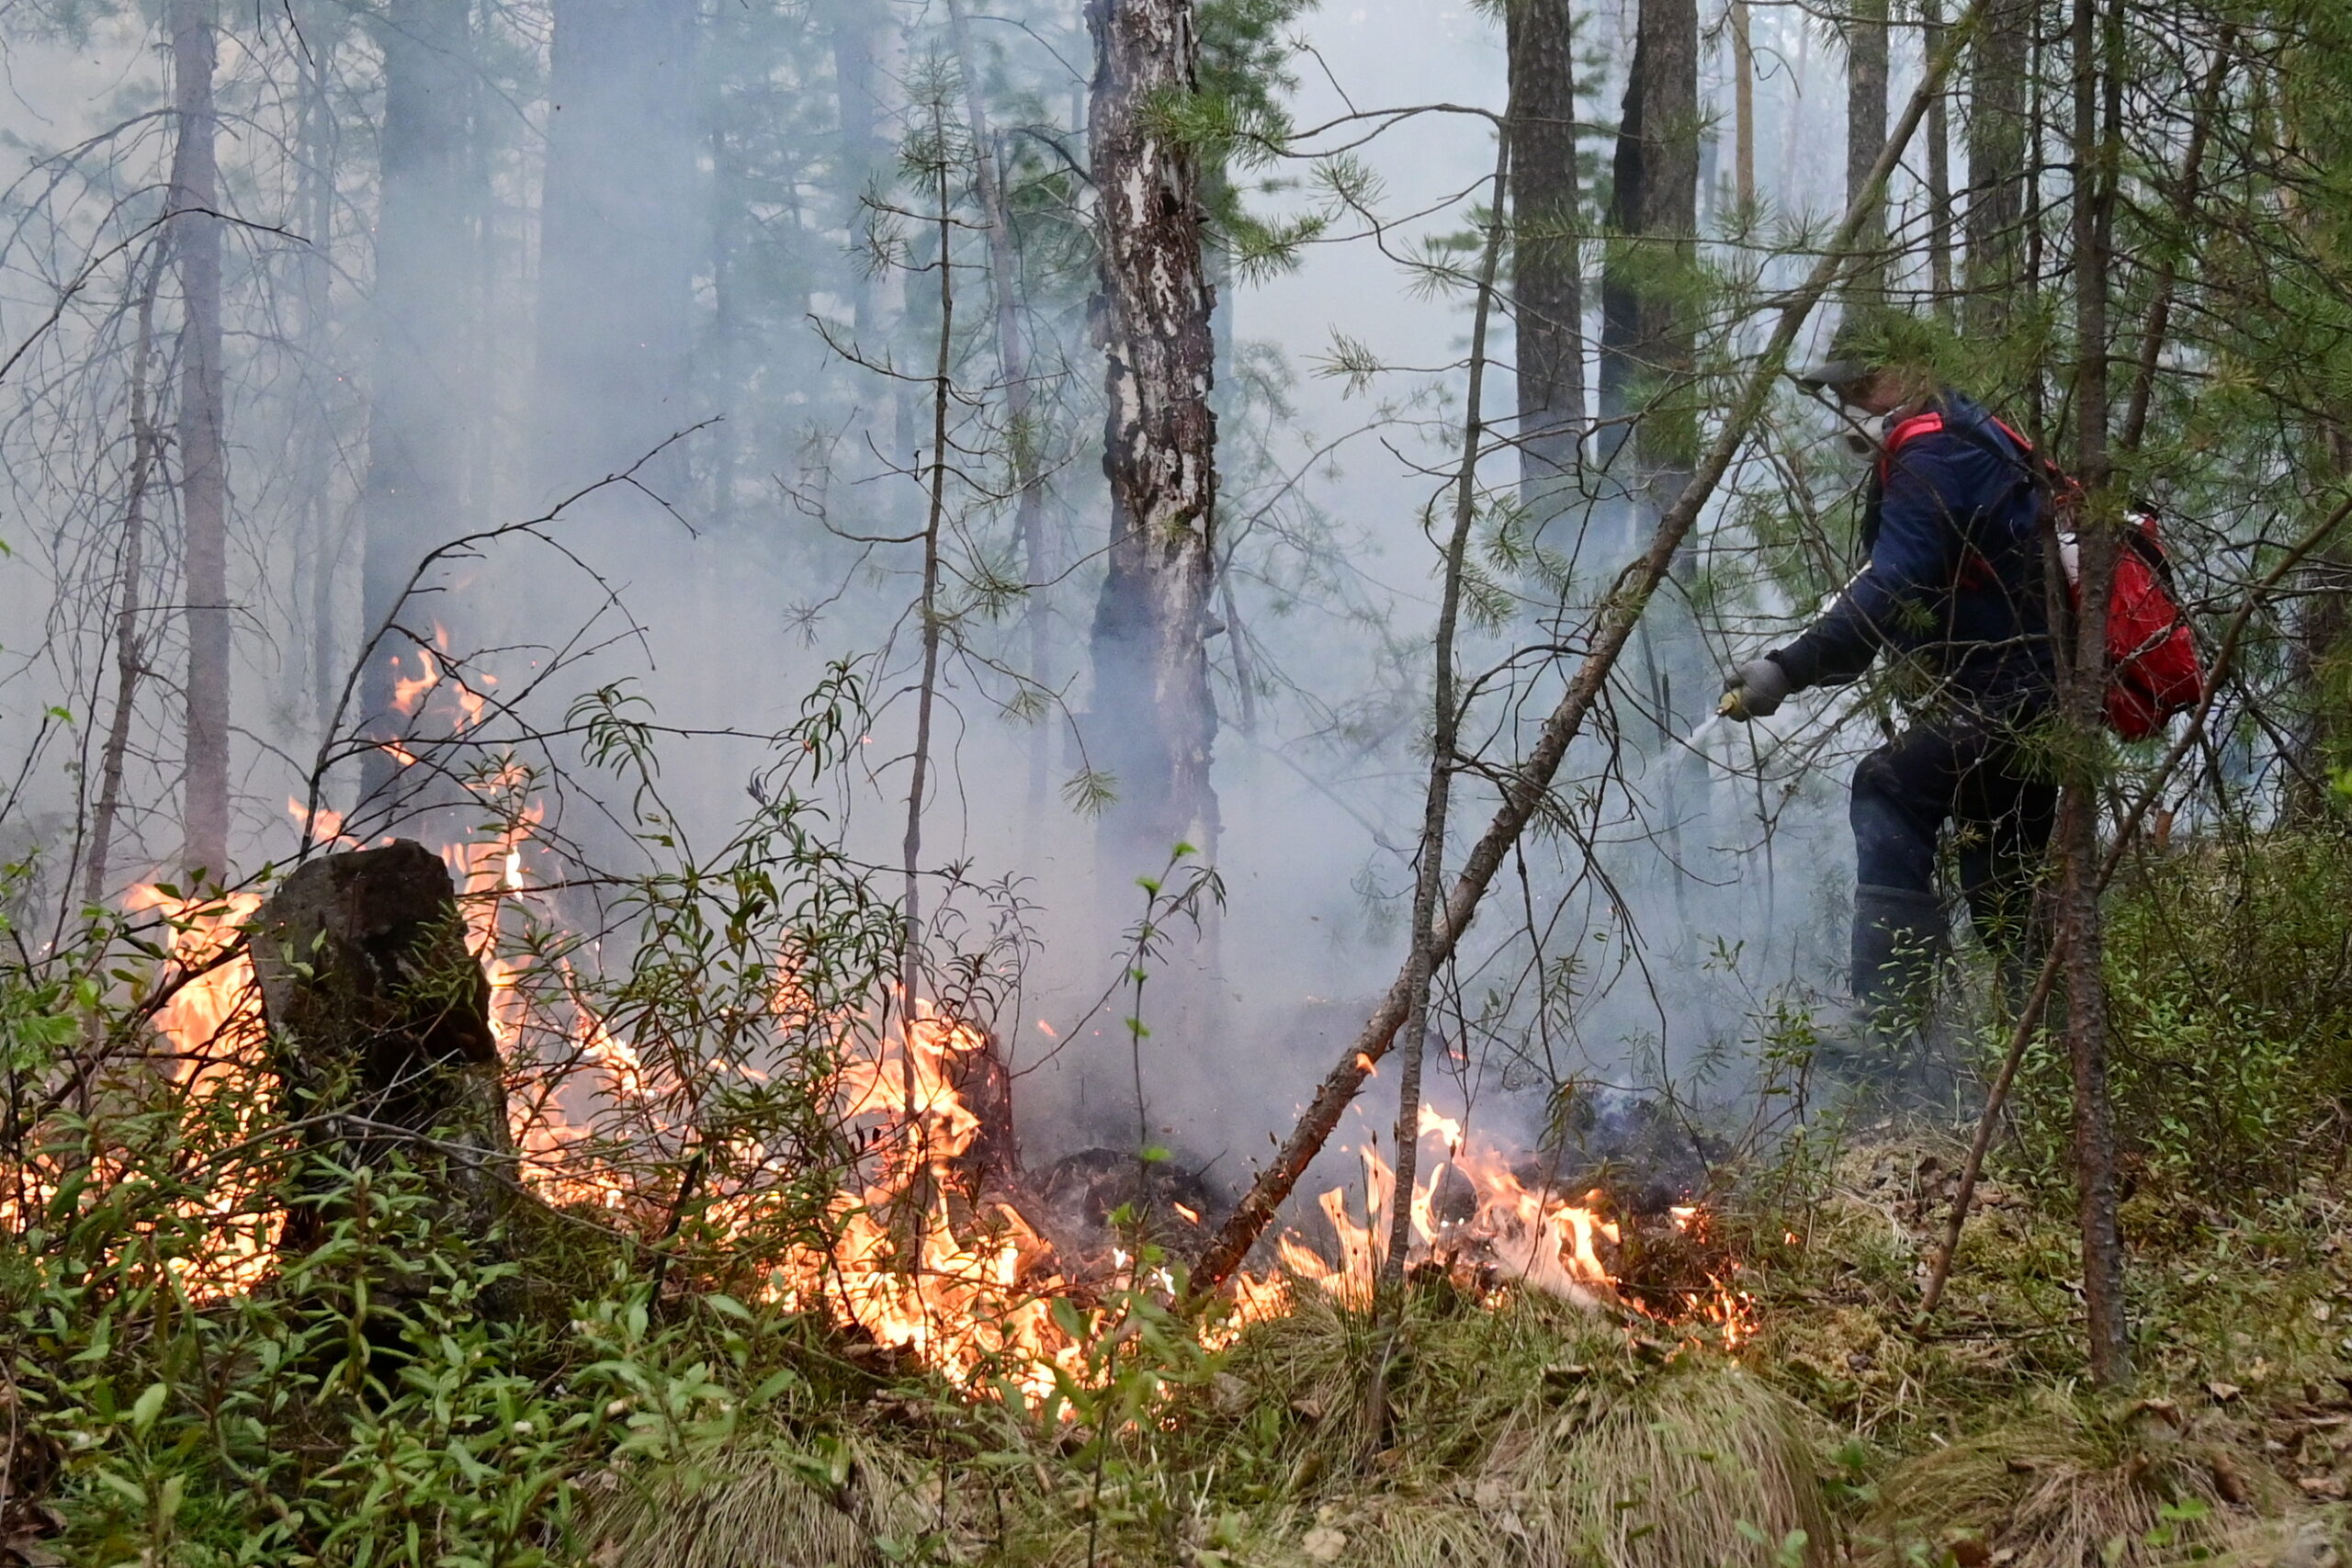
x: 856, y: 31
x: 416, y: 320
x: 1445, y: 726
x: 1743, y: 65
x: 323, y: 527
x: 1866, y: 66
x: 1547, y: 275
x: 616, y: 236
x: 380, y: 1033
x: 129, y: 645
x: 1648, y: 349
x: 2096, y: 108
x: 1153, y: 723
x: 1646, y: 343
x: 193, y: 202
x: 1997, y: 148
x: 1938, y: 133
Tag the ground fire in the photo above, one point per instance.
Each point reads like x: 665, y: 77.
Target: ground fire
x: 954, y: 1264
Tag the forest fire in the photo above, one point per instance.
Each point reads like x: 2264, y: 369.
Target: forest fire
x: 972, y: 1276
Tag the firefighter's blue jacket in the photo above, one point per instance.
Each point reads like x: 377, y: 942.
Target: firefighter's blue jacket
x: 1955, y: 580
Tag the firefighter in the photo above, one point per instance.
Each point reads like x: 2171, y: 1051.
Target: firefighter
x: 1952, y: 599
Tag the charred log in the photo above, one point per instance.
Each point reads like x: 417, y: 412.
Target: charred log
x: 1100, y: 1201
x: 379, y: 1037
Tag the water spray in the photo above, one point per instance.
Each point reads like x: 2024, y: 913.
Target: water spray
x: 1728, y: 707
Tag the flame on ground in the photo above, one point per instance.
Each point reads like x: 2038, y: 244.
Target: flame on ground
x: 968, y: 1287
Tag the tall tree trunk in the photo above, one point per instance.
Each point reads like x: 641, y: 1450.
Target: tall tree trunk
x: 1646, y: 343
x: 322, y: 524
x: 1547, y: 281
x: 1743, y: 65
x: 2096, y: 106
x: 1997, y: 146
x: 129, y: 645
x: 204, y: 476
x: 1649, y: 346
x: 418, y: 389
x: 856, y: 33
x: 1866, y: 54
x: 1154, y: 724
x: 1938, y: 132
x: 616, y: 238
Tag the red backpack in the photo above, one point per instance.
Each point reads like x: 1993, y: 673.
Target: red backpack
x: 2153, y: 668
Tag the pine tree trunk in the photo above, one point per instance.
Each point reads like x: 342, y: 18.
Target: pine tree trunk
x: 204, y: 477
x: 417, y: 323
x: 1547, y: 282
x: 1996, y: 163
x: 1648, y: 347
x: 1742, y: 59
x: 1153, y: 723
x: 2079, y: 916
x: 1646, y: 342
x: 129, y: 643
x: 856, y: 30
x: 1938, y: 130
x: 1865, y: 134
x: 323, y: 528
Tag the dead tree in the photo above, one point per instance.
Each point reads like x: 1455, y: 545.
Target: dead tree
x: 1153, y: 721
x: 193, y: 204
x: 380, y: 1035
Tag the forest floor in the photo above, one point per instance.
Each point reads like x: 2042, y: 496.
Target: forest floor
x: 1521, y: 1430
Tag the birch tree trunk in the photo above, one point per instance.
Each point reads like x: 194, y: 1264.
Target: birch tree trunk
x: 417, y: 324
x: 856, y: 30
x: 1547, y: 282
x: 193, y: 201
x: 1153, y: 723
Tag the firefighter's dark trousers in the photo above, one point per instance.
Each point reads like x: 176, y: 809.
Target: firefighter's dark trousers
x: 1964, y: 767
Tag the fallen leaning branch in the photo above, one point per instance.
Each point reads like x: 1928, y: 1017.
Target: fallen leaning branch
x: 1525, y: 786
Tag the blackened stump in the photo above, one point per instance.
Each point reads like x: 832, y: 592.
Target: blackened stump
x: 380, y: 1034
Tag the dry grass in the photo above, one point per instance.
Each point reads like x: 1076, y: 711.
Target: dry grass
x: 1535, y: 1435
x: 1698, y: 1464
x: 751, y: 1508
x: 2067, y: 1483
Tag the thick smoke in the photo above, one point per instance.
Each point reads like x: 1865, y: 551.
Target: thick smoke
x: 699, y: 251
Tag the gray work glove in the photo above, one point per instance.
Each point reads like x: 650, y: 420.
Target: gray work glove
x: 1755, y: 690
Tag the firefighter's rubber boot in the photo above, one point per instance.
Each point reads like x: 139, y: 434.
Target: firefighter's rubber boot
x: 1899, y: 947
